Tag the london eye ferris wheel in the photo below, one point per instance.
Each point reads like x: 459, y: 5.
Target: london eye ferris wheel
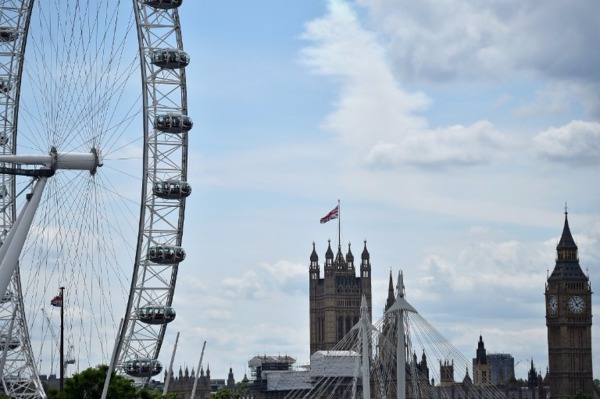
x: 93, y: 109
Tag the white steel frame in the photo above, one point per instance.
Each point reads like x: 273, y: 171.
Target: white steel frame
x: 161, y: 220
x: 20, y: 377
x: 165, y: 158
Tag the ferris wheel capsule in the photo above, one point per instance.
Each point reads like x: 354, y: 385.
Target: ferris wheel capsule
x: 143, y: 368
x: 166, y: 254
x: 172, y: 189
x: 7, y: 297
x: 173, y: 123
x: 163, y: 4
x: 170, y: 58
x: 156, y: 314
x: 5, y: 86
x: 11, y: 343
x: 7, y: 34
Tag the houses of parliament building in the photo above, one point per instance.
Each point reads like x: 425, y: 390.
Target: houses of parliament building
x: 335, y: 308
x: 335, y: 301
x: 335, y: 298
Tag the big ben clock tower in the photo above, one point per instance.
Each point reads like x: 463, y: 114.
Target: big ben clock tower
x: 569, y: 322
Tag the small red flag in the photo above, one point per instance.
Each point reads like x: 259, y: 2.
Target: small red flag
x: 57, y: 301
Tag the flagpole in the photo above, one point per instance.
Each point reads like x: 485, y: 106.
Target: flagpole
x: 62, y: 339
x: 339, y: 225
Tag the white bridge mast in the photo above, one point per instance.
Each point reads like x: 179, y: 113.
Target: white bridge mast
x: 400, y: 307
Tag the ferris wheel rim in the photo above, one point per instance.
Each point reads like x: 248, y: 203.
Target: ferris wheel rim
x: 149, y: 174
x: 33, y: 384
x: 149, y: 43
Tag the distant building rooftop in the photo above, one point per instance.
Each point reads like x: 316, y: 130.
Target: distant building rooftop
x: 260, y: 361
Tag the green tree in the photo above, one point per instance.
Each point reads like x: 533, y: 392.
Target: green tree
x: 224, y: 393
x: 597, y: 383
x: 150, y: 394
x: 580, y: 395
x: 90, y: 382
x: 243, y: 387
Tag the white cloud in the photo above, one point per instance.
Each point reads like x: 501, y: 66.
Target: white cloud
x: 460, y: 39
x: 282, y: 271
x: 248, y: 286
x: 282, y: 277
x: 554, y: 99
x: 217, y: 314
x: 577, y: 143
x: 375, y: 115
x: 587, y: 93
x: 507, y: 270
x: 456, y: 145
x: 439, y: 41
x: 561, y: 98
x: 372, y: 106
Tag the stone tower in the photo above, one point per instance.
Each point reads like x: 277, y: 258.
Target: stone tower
x: 446, y: 373
x: 569, y: 322
x: 481, y: 368
x: 335, y: 299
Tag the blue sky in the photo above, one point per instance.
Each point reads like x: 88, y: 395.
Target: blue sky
x: 453, y: 133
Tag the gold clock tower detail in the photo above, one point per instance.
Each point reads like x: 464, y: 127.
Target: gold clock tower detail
x: 569, y: 322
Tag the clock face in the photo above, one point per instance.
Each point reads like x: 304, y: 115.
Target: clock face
x: 552, y: 305
x: 576, y: 304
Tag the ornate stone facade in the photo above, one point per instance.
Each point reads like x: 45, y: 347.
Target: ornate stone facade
x: 183, y: 384
x: 335, y: 299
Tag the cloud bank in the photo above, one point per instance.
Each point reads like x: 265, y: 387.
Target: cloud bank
x: 576, y: 144
x: 375, y: 115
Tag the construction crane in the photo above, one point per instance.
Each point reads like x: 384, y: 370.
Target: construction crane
x: 70, y: 359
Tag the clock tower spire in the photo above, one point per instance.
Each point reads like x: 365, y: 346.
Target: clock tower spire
x: 569, y: 321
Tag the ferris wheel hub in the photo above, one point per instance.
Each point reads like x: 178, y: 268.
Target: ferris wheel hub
x: 55, y: 160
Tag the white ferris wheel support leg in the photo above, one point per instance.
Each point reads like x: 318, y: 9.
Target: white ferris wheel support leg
x: 11, y: 249
x: 111, y: 365
x: 170, y: 371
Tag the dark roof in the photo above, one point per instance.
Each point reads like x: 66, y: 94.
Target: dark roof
x: 566, y: 240
x: 339, y: 259
x: 329, y: 253
x: 313, y: 256
x: 567, y: 267
x: 567, y: 271
x: 365, y: 254
x: 349, y: 256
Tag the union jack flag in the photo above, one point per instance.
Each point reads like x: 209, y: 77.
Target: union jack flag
x: 331, y: 215
x: 57, y: 301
